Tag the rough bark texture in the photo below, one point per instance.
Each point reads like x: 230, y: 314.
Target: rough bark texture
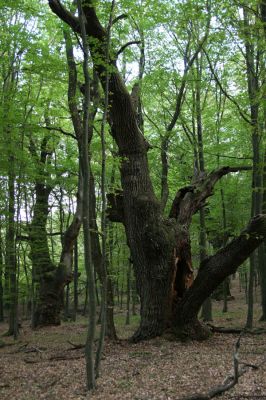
x: 46, y: 311
x: 160, y: 247
x: 52, y: 279
x: 48, y: 278
x: 215, y: 269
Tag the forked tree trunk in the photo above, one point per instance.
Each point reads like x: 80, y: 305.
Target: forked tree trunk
x: 160, y: 247
x: 54, y: 278
x: 48, y: 278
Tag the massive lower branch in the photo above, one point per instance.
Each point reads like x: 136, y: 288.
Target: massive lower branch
x: 225, y: 262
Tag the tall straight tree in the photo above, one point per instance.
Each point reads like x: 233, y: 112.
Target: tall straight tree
x: 85, y: 167
x: 1, y: 276
x: 262, y: 248
x: 8, y: 133
x: 252, y: 57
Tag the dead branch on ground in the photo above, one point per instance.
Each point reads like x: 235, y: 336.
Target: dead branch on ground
x: 231, y: 380
x: 221, y: 329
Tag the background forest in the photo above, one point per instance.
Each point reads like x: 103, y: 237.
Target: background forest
x: 196, y: 74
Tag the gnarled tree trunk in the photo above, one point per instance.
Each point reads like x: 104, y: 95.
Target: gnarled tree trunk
x: 160, y: 247
x: 43, y: 269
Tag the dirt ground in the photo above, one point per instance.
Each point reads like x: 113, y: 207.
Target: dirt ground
x: 42, y: 364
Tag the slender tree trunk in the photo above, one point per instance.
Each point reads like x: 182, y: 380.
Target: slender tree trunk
x: 110, y: 326
x: 250, y: 293
x: 67, y: 294
x: 11, y: 259
x: 253, y: 90
x: 262, y: 250
x: 86, y: 298
x: 1, y: 277
x: 104, y: 282
x: 85, y: 167
x: 207, y: 305
x: 128, y: 293
x: 76, y: 277
x: 225, y: 295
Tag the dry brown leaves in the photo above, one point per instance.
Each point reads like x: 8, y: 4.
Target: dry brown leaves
x: 154, y: 370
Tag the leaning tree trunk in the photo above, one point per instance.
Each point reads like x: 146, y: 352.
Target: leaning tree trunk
x: 213, y: 271
x: 160, y: 247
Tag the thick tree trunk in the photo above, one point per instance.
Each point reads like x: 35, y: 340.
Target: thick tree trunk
x: 43, y: 270
x: 160, y: 248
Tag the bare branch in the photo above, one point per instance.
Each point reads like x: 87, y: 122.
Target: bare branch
x: 53, y: 128
x: 127, y: 45
x: 22, y: 237
x: 72, y: 86
x: 122, y: 16
x: 229, y: 97
x: 190, y: 199
x: 189, y: 64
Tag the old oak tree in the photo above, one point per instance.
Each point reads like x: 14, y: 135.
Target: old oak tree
x: 159, y: 245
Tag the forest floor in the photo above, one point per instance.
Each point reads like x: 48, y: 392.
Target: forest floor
x: 42, y: 364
